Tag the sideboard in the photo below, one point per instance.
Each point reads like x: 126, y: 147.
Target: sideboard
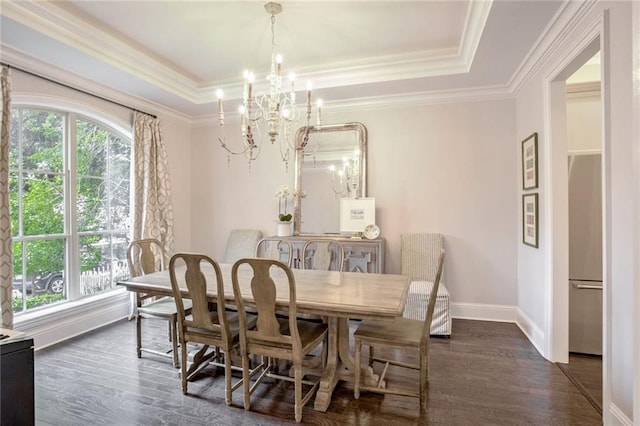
x: 361, y: 255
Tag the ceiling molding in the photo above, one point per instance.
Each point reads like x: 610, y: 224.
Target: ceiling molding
x: 67, y: 28
x: 555, y: 33
x: 479, y: 94
x: 584, y: 90
x: 35, y: 66
x: 98, y: 42
x: 477, y: 16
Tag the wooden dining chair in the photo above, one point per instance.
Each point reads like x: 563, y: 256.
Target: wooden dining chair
x: 217, y: 328
x: 274, y: 337
x: 275, y: 248
x: 402, y: 333
x: 144, y: 257
x: 323, y: 254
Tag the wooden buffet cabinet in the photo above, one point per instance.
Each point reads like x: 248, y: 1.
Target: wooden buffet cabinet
x: 361, y: 255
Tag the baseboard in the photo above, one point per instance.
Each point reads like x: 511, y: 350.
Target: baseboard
x: 60, y: 323
x: 501, y: 313
x: 616, y: 417
x: 476, y: 311
x: 532, y: 331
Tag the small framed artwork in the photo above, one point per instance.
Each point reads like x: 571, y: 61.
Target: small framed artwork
x: 530, y: 219
x: 530, y: 162
x: 357, y: 213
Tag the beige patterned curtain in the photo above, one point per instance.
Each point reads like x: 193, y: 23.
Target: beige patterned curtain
x: 6, y: 269
x: 153, y: 212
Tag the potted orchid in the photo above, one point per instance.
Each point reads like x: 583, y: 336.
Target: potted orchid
x: 284, y: 219
x: 284, y: 194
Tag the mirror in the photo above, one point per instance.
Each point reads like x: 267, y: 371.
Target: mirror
x: 343, y: 146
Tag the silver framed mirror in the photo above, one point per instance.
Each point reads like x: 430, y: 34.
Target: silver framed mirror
x: 330, y: 163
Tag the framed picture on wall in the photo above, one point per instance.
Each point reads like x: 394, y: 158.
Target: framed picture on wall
x: 530, y: 162
x: 530, y: 219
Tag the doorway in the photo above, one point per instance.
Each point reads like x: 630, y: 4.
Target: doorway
x: 585, y: 259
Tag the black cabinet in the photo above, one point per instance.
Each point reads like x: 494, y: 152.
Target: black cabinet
x: 16, y: 382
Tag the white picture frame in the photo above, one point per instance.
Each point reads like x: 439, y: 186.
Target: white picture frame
x: 356, y: 214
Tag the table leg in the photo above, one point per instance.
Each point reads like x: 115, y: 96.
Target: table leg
x: 340, y: 364
x: 329, y: 377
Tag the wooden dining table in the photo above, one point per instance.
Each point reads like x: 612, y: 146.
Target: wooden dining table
x: 338, y: 296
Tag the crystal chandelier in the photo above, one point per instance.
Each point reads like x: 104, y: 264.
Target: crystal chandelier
x: 274, y: 112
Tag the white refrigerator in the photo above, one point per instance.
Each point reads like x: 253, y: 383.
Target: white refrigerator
x: 585, y: 254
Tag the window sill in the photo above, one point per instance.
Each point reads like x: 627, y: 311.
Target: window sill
x: 54, y: 324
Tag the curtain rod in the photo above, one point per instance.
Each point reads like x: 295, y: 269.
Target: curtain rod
x: 75, y: 88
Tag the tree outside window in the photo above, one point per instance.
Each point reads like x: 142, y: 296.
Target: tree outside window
x: 69, y: 205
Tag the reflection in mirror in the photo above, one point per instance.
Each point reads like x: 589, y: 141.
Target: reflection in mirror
x: 333, y: 169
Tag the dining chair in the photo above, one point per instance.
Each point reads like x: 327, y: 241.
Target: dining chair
x: 419, y: 260
x: 402, y: 333
x: 323, y: 254
x: 144, y: 257
x: 275, y: 248
x: 241, y: 243
x: 274, y: 337
x: 218, y: 328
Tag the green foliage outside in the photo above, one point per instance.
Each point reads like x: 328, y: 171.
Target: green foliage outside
x: 37, y: 185
x: 37, y: 300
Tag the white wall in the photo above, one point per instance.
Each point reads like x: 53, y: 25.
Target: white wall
x: 442, y: 168
x: 584, y: 122
x: 537, y: 290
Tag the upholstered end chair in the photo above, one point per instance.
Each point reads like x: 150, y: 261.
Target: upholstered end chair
x: 419, y: 254
x: 241, y: 244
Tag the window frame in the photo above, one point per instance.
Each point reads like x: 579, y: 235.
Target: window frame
x: 114, y: 125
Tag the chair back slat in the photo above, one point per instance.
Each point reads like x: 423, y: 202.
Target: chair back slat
x: 264, y: 293
x: 426, y: 331
x: 275, y: 248
x: 195, y: 284
x: 145, y: 256
x: 323, y: 255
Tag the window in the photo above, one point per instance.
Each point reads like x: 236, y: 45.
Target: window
x: 70, y: 211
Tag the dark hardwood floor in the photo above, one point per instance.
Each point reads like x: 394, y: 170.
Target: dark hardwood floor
x: 487, y: 373
x: 585, y: 371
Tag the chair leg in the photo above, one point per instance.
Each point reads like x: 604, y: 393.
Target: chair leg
x: 227, y: 376
x: 357, y: 361
x: 371, y: 356
x: 139, y: 335
x: 424, y: 379
x: 183, y: 362
x: 246, y: 381
x: 174, y: 340
x: 298, y: 391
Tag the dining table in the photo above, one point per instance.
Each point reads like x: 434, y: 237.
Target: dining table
x: 336, y: 296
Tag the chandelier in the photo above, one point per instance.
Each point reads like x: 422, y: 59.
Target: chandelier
x: 274, y: 112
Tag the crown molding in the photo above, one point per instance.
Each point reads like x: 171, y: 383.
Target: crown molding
x: 48, y: 19
x: 477, y: 16
x: 35, y: 66
x: 479, y: 94
x: 555, y: 33
x: 98, y: 42
x: 584, y: 90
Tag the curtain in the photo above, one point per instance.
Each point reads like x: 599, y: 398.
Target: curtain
x: 153, y: 212
x: 6, y: 265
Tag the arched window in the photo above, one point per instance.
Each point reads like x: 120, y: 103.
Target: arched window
x: 70, y: 205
